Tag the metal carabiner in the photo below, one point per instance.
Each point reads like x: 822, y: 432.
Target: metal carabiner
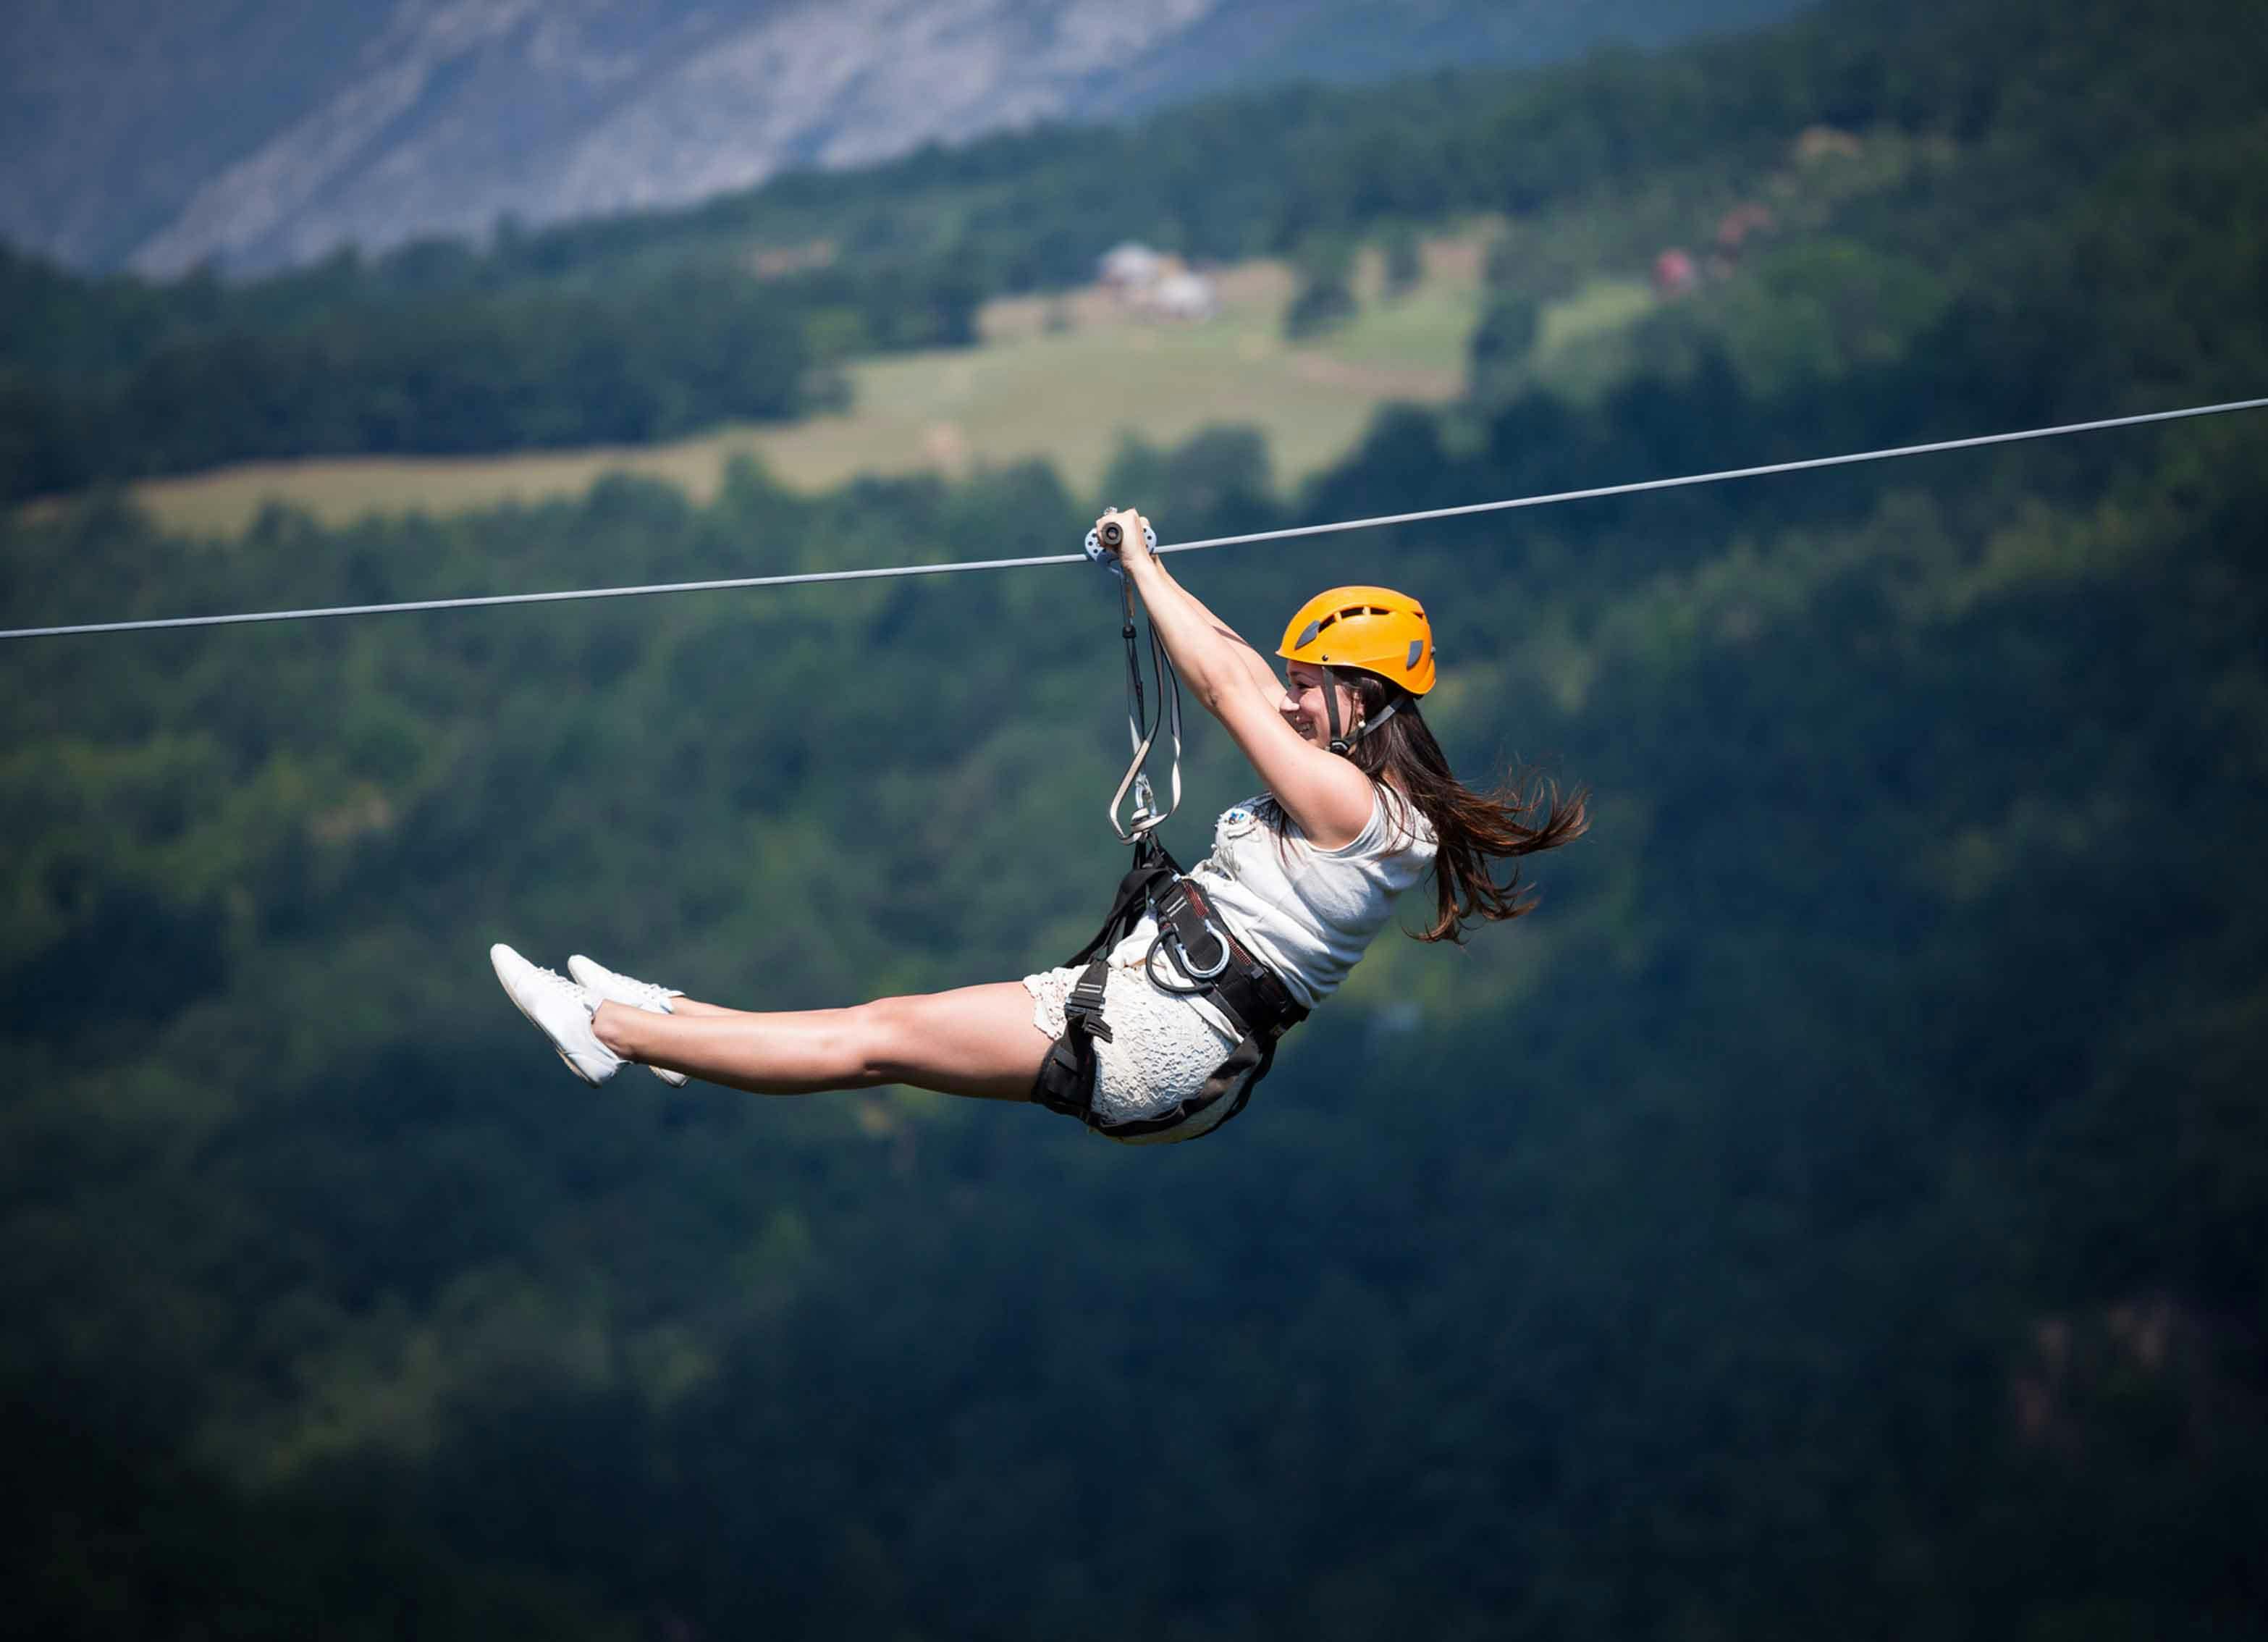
x: 1182, y: 951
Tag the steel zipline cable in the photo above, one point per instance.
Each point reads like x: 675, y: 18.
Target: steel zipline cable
x: 728, y: 584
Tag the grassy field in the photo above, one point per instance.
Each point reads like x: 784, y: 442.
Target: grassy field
x: 1066, y: 378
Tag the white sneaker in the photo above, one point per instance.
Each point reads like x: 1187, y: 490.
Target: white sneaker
x: 560, y: 1010
x: 600, y: 981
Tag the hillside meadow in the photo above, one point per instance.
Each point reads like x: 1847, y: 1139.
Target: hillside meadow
x: 1063, y: 379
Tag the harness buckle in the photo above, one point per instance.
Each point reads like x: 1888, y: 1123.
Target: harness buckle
x: 1083, y: 1008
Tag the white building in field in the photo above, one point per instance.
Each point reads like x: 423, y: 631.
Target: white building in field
x: 1182, y: 295
x: 1131, y: 266
x: 1157, y: 284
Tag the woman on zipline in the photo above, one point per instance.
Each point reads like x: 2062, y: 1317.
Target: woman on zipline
x: 1359, y: 800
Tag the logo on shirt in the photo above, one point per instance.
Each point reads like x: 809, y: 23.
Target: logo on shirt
x: 1236, y: 821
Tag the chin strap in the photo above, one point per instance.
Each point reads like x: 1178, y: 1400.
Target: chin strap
x: 1344, y: 745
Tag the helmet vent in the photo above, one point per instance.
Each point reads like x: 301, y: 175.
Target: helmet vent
x: 1308, y: 634
x: 1387, y: 633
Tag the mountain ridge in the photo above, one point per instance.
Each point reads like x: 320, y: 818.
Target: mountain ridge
x: 265, y: 137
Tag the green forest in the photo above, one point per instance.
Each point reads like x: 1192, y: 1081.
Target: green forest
x: 110, y: 379
x: 1841, y: 1210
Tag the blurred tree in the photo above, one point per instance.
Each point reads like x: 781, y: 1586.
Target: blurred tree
x: 1501, y: 344
x: 1324, y: 297
x: 1404, y: 261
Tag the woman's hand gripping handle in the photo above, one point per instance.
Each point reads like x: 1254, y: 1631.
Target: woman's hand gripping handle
x: 1121, y: 533
x: 1205, y: 650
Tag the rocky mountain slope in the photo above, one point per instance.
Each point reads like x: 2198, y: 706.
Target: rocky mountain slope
x: 264, y: 133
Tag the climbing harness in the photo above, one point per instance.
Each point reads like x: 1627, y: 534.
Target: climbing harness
x: 1205, y: 959
x: 1211, y: 964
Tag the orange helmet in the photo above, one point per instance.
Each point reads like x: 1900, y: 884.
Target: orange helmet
x: 1376, y: 629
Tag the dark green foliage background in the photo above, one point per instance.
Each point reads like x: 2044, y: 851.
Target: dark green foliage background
x: 1840, y: 1210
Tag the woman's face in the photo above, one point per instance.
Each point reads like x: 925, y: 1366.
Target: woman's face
x: 1303, y: 708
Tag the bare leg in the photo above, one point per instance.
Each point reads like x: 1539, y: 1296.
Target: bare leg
x: 975, y: 1041
x: 694, y: 1008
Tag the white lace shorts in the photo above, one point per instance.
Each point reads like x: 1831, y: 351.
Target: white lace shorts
x: 1161, y: 1049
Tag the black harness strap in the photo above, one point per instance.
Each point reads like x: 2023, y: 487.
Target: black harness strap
x: 1069, y: 1069
x: 1066, y: 1080
x: 1213, y: 966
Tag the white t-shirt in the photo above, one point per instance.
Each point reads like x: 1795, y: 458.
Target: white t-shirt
x: 1305, y: 913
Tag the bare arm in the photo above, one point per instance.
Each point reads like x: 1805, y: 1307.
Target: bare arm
x: 1205, y: 649
x: 1326, y: 795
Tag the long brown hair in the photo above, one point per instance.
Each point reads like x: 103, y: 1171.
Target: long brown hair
x: 1473, y: 829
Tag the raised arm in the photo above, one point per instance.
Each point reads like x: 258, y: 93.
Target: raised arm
x: 1325, y: 794
x: 1213, y: 644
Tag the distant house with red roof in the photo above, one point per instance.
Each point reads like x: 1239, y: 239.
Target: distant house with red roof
x: 1674, y: 273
